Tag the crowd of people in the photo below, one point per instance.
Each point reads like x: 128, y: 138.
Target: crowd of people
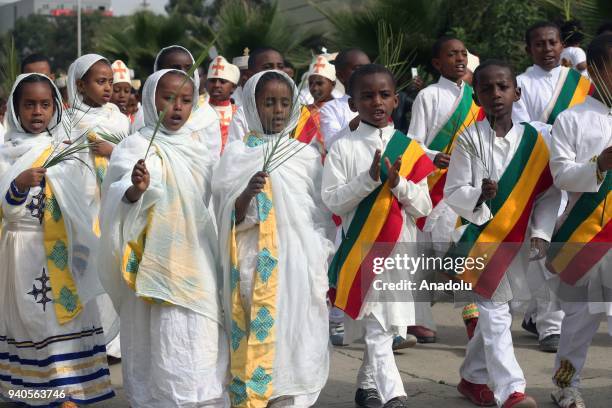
x: 215, y: 229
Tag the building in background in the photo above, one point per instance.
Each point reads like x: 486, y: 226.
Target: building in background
x: 9, y: 13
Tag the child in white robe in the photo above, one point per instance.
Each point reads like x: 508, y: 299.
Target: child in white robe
x: 581, y: 161
x: 51, y: 338
x: 158, y: 259
x: 274, y: 235
x: 352, y: 173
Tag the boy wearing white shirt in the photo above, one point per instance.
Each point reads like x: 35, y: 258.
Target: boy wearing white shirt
x: 439, y: 113
x: 581, y: 160
x: 357, y: 176
x: 502, y: 189
x: 547, y: 88
x: 336, y: 114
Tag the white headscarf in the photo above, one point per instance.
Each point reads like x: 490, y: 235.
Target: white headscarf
x: 250, y: 104
x: 196, y: 76
x: 148, y: 101
x: 76, y: 71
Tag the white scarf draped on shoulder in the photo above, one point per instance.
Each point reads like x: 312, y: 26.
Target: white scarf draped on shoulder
x: 19, y: 153
x: 178, y: 265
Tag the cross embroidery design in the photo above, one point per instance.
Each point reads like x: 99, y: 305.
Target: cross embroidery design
x: 224, y: 120
x: 37, y: 205
x: 122, y: 71
x: 218, y: 67
x: 42, y: 291
x: 319, y: 65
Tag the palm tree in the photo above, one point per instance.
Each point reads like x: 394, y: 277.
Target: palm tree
x: 243, y: 24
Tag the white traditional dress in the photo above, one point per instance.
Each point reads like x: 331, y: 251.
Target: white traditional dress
x: 158, y: 265
x: 275, y: 268
x: 91, y: 122
x: 346, y: 182
x: 335, y: 116
x: 580, y: 134
x: 50, y: 332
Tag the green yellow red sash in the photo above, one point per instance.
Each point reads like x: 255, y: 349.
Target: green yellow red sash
x: 309, y: 125
x: 465, y: 113
x: 584, y: 237
x: 526, y: 177
x: 378, y: 219
x: 572, y: 90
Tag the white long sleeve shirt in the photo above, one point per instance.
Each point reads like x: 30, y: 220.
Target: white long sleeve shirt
x: 346, y: 182
x: 335, y: 115
x: 537, y: 90
x: 464, y: 187
x: 580, y: 134
x: 431, y: 109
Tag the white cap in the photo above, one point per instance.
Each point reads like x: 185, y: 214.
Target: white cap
x: 121, y: 73
x: 242, y: 62
x: 220, y: 68
x: 322, y: 67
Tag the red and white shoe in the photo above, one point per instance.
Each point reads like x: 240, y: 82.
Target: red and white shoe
x: 479, y: 394
x: 519, y: 400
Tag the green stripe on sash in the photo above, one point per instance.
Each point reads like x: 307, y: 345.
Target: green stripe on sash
x: 504, y: 187
x: 446, y: 134
x: 584, y: 207
x: 395, y: 148
x: 565, y: 96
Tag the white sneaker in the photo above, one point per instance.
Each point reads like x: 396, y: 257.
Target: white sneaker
x: 568, y: 398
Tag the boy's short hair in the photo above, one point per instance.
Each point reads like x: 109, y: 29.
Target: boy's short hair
x: 34, y: 58
x: 598, y: 51
x: 538, y: 25
x: 257, y: 52
x: 605, y: 26
x: 365, y: 70
x: 161, y: 59
x: 492, y: 63
x: 572, y: 32
x: 342, y: 59
x: 437, y: 46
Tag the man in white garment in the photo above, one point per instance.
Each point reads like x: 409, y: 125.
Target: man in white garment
x: 336, y: 114
x: 538, y: 91
x: 581, y: 161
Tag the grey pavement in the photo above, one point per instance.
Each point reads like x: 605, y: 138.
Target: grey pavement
x: 430, y: 372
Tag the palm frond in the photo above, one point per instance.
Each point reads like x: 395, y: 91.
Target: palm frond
x: 9, y: 69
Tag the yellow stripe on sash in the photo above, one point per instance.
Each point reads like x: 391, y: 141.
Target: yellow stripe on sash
x: 581, y: 92
x: 304, y: 116
x: 253, y: 340
x: 55, y: 240
x: 371, y: 229
x: 100, y: 167
x: 512, y: 209
x: 588, y: 229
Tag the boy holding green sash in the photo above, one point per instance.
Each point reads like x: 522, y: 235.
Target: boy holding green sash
x: 375, y: 178
x: 581, y: 163
x: 439, y: 112
x: 499, y: 182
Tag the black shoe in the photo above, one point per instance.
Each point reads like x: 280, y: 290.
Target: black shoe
x: 397, y: 402
x: 368, y: 398
x: 550, y: 344
x: 530, y: 326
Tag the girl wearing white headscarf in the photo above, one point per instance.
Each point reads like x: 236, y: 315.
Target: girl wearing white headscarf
x: 103, y: 119
x: 158, y: 264
x: 50, y: 333
x: 274, y: 265
x: 204, y: 121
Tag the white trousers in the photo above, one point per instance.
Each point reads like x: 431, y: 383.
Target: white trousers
x: 577, y: 331
x: 378, y: 369
x: 423, y: 315
x: 296, y: 401
x: 490, y: 356
x: 543, y: 309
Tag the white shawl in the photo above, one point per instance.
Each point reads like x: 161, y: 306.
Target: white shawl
x: 179, y: 262
x: 303, y: 230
